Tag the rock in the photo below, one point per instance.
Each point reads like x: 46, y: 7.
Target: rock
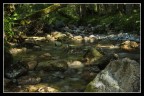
x: 94, y: 69
x: 92, y: 54
x: 6, y: 82
x: 77, y: 39
x: 32, y: 88
x: 59, y: 75
x: 29, y: 58
x: 31, y: 46
x: 130, y: 55
x: 45, y: 65
x: 75, y: 64
x: 92, y: 39
x: 58, y: 44
x: 59, y: 66
x: 69, y: 72
x: 47, y: 89
x: 15, y: 51
x: 121, y: 75
x: 129, y: 46
x: 28, y: 80
x: 17, y: 70
x: 89, y: 73
x: 69, y: 35
x: 50, y: 38
x: 37, y: 48
x: 88, y: 76
x: 45, y: 56
x: 86, y: 39
x: 8, y: 60
x: 104, y: 61
x: 32, y: 64
x: 58, y: 35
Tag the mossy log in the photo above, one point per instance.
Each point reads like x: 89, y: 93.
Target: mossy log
x: 39, y: 14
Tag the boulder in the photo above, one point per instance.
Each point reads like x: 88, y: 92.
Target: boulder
x: 121, y: 75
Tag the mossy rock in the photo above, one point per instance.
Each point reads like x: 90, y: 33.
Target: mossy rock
x: 92, y: 55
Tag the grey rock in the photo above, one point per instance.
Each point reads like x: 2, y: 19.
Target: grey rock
x: 119, y: 76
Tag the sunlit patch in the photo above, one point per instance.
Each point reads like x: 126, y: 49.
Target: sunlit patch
x: 15, y: 51
x: 108, y: 46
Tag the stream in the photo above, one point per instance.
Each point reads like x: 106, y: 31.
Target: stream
x: 58, y: 65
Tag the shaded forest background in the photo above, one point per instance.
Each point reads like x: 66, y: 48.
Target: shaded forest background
x: 33, y: 17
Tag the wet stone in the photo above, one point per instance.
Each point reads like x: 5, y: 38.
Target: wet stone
x: 17, y: 70
x: 24, y: 80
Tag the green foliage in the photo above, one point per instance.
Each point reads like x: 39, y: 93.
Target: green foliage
x: 69, y: 15
x: 8, y: 23
x: 119, y: 22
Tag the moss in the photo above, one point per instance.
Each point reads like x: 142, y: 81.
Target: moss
x: 90, y: 88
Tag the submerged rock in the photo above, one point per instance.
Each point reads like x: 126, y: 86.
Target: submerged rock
x: 16, y: 70
x: 59, y: 66
x: 104, y: 61
x: 119, y: 76
x: 32, y: 64
x: 37, y: 48
x: 91, y: 55
x: 26, y: 80
x: 88, y: 76
x: 45, y: 56
x: 44, y: 66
